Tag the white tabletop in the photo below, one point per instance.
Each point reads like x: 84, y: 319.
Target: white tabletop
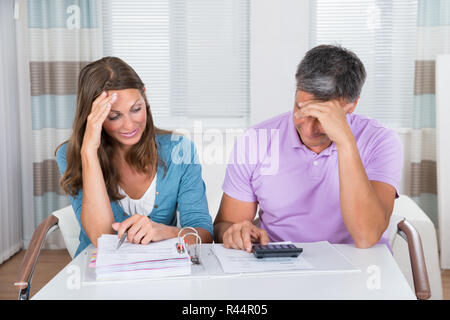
x: 379, y: 278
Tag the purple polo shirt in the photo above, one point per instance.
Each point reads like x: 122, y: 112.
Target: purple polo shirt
x: 297, y: 189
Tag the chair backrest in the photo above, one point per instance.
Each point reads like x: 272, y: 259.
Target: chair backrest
x: 69, y: 227
x: 404, y: 207
x: 397, y: 215
x: 213, y: 176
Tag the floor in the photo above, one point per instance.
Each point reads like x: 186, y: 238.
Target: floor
x: 52, y: 261
x: 49, y: 264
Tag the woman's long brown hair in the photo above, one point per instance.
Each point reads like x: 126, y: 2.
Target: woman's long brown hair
x: 109, y: 73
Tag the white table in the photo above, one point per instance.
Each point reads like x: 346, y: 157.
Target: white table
x: 379, y: 278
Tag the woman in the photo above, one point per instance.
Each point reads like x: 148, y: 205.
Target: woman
x: 118, y: 168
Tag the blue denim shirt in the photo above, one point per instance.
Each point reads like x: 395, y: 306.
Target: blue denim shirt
x: 179, y: 188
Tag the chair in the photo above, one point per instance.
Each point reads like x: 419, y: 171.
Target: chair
x: 407, y: 224
x: 65, y: 220
x: 412, y: 232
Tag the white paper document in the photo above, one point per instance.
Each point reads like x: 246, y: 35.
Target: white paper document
x: 133, y: 261
x: 316, y: 257
x: 239, y: 261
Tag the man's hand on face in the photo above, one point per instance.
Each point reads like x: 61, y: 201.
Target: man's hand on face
x: 331, y: 115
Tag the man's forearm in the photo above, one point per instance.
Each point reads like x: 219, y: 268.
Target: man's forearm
x: 362, y: 212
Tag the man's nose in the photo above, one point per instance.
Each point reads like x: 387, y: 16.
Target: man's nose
x: 309, y: 123
x: 312, y: 125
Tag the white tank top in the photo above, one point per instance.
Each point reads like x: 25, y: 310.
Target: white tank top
x: 142, y: 206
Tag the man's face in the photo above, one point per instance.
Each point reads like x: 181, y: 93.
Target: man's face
x: 309, y: 128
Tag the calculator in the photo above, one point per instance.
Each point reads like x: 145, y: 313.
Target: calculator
x: 276, y: 250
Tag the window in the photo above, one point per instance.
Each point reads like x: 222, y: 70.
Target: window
x: 382, y: 33
x: 192, y: 55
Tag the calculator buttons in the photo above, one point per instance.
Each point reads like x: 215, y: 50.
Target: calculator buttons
x: 276, y: 250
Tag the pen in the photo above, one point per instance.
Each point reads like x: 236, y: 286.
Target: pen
x: 124, y: 236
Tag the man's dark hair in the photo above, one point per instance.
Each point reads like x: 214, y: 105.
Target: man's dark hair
x: 330, y: 72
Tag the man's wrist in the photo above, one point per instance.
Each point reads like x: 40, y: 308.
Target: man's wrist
x: 347, y: 145
x: 219, y: 230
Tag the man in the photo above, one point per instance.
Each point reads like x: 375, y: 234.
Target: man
x: 337, y: 172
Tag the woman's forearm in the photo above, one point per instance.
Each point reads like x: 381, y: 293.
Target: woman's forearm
x: 96, y: 212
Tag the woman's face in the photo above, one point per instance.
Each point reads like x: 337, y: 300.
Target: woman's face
x: 127, y: 118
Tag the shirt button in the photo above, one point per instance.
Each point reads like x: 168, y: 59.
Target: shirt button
x: 315, y: 163
x: 156, y: 207
x: 157, y: 192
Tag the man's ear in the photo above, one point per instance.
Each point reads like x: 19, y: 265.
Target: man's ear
x: 352, y: 108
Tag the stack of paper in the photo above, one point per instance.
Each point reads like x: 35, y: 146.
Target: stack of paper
x: 135, y: 261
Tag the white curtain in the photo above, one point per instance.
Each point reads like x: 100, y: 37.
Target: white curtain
x: 398, y: 41
x: 383, y: 34
x: 10, y: 172
x: 192, y: 55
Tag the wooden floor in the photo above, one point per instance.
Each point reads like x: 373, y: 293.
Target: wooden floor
x: 49, y: 264
x: 52, y: 261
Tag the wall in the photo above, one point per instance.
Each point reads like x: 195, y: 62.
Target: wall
x: 279, y: 40
x: 443, y: 154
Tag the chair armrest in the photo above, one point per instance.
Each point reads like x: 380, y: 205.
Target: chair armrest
x: 418, y: 266
x: 28, y: 264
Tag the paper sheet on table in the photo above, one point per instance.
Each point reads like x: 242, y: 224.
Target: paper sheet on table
x: 316, y: 257
x: 239, y: 261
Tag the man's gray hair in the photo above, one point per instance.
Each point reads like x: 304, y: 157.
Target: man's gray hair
x: 330, y: 72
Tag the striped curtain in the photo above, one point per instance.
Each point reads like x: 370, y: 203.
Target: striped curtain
x: 63, y: 35
x: 433, y: 37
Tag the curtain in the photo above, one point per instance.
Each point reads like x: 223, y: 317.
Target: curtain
x: 192, y: 55
x: 63, y: 36
x: 398, y: 42
x: 10, y: 182
x: 382, y: 34
x: 433, y: 37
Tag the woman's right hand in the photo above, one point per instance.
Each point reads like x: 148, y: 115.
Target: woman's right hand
x: 100, y: 110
